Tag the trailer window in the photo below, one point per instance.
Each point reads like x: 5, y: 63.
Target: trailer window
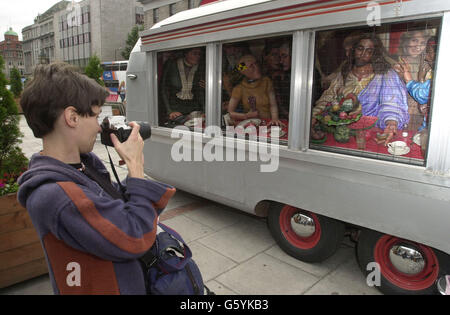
x: 181, y: 87
x: 372, y: 90
x: 256, y: 85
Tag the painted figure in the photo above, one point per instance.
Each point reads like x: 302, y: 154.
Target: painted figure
x: 420, y: 89
x: 379, y: 89
x: 255, y: 93
x: 412, y: 51
x: 183, y: 85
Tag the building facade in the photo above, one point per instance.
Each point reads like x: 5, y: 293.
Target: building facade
x: 12, y: 53
x: 39, y: 38
x: 96, y: 27
x: 158, y: 10
x: 74, y: 31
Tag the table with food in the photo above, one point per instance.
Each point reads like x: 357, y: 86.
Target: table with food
x: 341, y: 124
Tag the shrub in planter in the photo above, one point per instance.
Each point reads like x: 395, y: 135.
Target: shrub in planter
x: 21, y: 254
x: 12, y: 160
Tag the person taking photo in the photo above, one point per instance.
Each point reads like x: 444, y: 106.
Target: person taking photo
x: 92, y: 236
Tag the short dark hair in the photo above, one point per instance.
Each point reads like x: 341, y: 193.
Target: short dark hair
x: 55, y: 87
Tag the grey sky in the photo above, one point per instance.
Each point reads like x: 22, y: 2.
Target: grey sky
x: 21, y: 13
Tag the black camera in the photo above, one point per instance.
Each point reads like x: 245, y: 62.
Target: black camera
x: 118, y: 126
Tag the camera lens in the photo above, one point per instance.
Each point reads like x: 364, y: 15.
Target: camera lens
x: 105, y: 123
x: 145, y: 131
x: 117, y: 125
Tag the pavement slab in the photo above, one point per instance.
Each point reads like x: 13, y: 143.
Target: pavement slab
x: 265, y: 275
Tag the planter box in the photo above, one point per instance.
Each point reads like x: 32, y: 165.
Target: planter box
x: 21, y: 254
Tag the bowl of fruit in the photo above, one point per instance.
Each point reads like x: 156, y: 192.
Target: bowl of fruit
x: 343, y: 111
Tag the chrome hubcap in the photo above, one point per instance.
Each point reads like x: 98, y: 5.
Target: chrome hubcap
x: 303, y: 225
x: 443, y: 285
x: 407, y: 259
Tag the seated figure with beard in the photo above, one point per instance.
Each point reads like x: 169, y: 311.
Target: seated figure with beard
x: 380, y: 91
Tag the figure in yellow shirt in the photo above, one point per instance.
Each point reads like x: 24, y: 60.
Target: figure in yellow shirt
x: 255, y: 92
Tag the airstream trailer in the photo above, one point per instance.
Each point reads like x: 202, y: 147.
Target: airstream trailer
x: 358, y: 92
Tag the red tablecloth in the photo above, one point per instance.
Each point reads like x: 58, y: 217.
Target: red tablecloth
x: 372, y: 146
x: 265, y: 122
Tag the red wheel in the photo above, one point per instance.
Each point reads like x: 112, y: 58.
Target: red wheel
x: 304, y: 235
x: 300, y: 228
x: 406, y: 267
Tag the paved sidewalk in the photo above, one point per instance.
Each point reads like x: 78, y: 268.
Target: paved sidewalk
x: 234, y: 251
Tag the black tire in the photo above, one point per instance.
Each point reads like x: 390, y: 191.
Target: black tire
x: 323, y: 243
x: 374, y: 247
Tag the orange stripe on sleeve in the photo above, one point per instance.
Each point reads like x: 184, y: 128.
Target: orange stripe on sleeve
x: 105, y: 227
x: 162, y: 203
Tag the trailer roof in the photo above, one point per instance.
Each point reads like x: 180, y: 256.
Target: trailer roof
x: 207, y: 9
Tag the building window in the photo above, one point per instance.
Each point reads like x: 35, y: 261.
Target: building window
x: 87, y: 37
x: 85, y: 18
x: 370, y: 98
x: 139, y: 19
x: 155, y: 15
x: 172, y: 9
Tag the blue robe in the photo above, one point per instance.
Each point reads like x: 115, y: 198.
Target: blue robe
x: 386, y: 97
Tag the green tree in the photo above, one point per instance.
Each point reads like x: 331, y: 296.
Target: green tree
x: 12, y: 159
x: 133, y: 37
x: 16, y: 82
x: 94, y: 70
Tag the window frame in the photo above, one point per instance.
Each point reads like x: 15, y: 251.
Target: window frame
x: 154, y: 81
x: 218, y: 121
x: 213, y: 73
x: 375, y: 156
x: 438, y: 155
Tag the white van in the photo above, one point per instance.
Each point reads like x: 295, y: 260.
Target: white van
x: 359, y: 89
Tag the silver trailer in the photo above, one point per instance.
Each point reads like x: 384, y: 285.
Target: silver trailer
x: 395, y: 201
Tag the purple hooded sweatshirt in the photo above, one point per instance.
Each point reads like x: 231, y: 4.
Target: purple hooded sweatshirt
x: 91, y: 241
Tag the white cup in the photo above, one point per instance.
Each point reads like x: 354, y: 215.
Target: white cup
x: 398, y: 147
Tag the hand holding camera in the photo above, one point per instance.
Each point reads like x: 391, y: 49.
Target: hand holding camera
x: 128, y: 140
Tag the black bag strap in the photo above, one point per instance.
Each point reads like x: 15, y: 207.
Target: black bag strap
x: 148, y: 259
x: 105, y: 183
x: 122, y: 189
